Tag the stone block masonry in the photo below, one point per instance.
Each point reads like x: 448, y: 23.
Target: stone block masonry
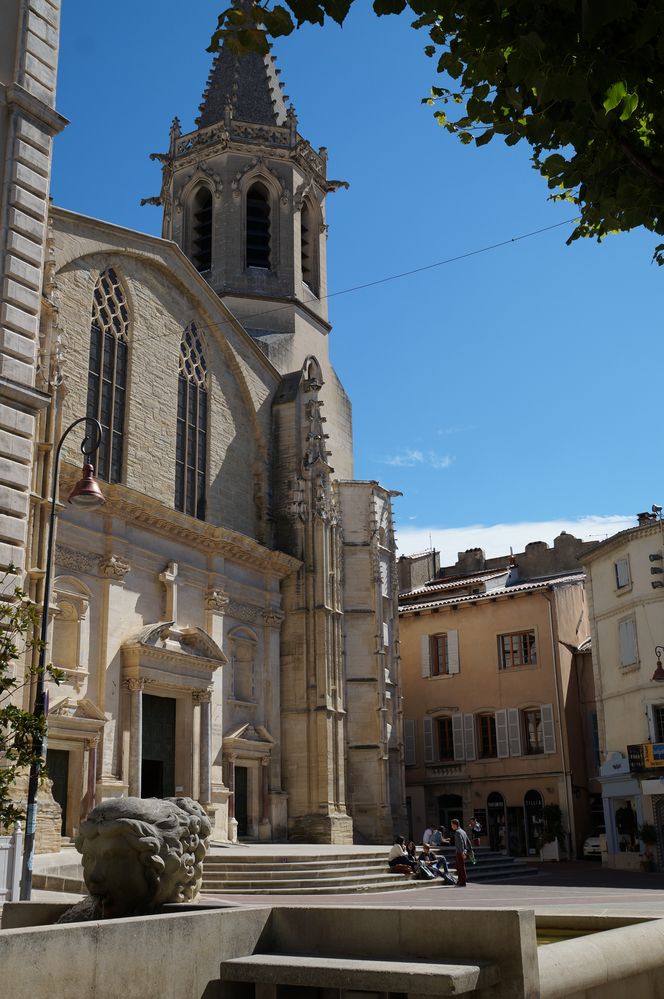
x: 28, y: 122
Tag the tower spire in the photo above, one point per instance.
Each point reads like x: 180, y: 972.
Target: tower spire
x: 248, y: 84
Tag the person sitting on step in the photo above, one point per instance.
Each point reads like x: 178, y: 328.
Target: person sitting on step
x: 437, y: 864
x: 398, y: 860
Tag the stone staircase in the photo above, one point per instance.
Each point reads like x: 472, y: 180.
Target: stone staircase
x: 338, y: 873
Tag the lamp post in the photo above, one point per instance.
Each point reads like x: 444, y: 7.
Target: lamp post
x: 86, y: 493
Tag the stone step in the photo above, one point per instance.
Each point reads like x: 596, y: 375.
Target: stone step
x: 336, y: 889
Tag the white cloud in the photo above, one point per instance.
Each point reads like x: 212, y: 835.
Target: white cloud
x: 409, y: 457
x: 496, y: 539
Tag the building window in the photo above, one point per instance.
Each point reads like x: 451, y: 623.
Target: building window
x: 627, y: 641
x: 517, y: 650
x: 410, y: 744
x: 486, y: 736
x: 258, y: 227
x: 107, y: 372
x: 438, y: 653
x: 533, y: 731
x: 191, y: 432
x: 201, y: 229
x: 308, y: 242
x: 445, y: 738
x: 622, y: 573
x: 658, y: 722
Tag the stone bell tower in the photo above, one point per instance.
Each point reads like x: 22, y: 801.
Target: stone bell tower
x: 243, y: 195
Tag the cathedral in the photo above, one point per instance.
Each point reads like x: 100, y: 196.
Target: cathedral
x: 227, y: 621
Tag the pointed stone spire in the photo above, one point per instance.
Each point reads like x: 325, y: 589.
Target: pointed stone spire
x: 249, y: 85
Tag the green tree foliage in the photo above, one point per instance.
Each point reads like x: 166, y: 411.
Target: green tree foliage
x: 19, y: 623
x: 581, y: 81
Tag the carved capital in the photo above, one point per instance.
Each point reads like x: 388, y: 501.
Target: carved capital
x: 216, y: 600
x: 134, y: 685
x: 114, y: 567
x: 201, y: 696
x: 273, y: 617
x: 92, y: 742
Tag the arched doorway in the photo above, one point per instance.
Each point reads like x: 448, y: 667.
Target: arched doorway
x: 450, y: 806
x: 533, y: 804
x: 495, y: 806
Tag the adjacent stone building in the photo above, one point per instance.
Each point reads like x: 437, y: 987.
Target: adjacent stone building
x: 227, y: 622
x: 498, y: 698
x: 625, y: 585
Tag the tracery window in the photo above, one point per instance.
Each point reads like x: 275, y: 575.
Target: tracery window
x: 258, y: 226
x: 191, y: 433
x: 107, y: 371
x: 201, y: 229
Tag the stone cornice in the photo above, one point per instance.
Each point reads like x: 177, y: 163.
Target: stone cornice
x: 18, y: 99
x: 136, y: 508
x: 620, y: 539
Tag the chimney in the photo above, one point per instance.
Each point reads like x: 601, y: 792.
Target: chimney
x: 646, y: 518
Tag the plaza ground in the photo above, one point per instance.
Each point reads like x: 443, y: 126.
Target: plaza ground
x: 581, y: 887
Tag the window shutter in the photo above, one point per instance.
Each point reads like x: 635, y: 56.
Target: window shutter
x: 410, y: 749
x: 469, y: 736
x: 514, y: 729
x: 386, y: 634
x: 502, y: 741
x: 548, y: 731
x: 627, y: 634
x: 622, y: 573
x: 425, y: 655
x: 457, y: 737
x: 650, y: 715
x: 453, y: 651
x: 428, y: 740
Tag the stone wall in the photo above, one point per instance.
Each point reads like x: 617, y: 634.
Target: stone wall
x: 28, y: 121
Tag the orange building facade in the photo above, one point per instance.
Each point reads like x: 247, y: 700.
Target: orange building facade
x: 498, y: 700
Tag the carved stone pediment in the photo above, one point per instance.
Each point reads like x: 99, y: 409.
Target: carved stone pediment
x: 193, y: 642
x: 248, y: 740
x: 171, y: 657
x: 70, y: 719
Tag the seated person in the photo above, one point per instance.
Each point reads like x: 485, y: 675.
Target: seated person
x: 438, y: 837
x: 437, y: 864
x: 398, y: 860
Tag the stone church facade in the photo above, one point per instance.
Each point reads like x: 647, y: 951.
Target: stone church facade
x: 227, y: 621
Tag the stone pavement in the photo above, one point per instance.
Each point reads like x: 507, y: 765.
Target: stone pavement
x: 581, y: 887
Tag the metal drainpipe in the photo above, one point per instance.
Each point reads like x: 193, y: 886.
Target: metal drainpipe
x: 562, y: 732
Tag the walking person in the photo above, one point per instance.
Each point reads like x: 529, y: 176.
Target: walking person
x: 464, y: 849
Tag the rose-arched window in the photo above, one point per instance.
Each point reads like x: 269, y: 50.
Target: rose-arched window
x: 258, y: 226
x: 192, y: 420
x: 107, y: 371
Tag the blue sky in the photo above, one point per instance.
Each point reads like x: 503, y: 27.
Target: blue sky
x: 507, y: 395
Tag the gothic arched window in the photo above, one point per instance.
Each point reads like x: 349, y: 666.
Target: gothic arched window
x: 201, y: 229
x: 258, y: 226
x: 308, y: 244
x: 107, y: 372
x: 191, y: 435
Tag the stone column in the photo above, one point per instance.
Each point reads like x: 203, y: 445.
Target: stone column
x: 265, y: 790
x: 89, y: 801
x: 135, y: 688
x: 204, y: 698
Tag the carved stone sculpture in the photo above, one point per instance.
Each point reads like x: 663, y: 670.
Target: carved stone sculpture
x: 139, y: 853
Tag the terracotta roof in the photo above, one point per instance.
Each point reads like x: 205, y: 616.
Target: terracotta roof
x: 456, y: 583
x: 504, y: 591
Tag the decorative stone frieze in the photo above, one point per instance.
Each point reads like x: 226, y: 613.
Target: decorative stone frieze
x: 71, y: 558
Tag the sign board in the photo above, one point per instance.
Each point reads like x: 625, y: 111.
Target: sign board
x: 647, y: 756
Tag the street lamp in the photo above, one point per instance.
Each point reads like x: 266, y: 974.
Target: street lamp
x: 658, y: 675
x: 86, y: 493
